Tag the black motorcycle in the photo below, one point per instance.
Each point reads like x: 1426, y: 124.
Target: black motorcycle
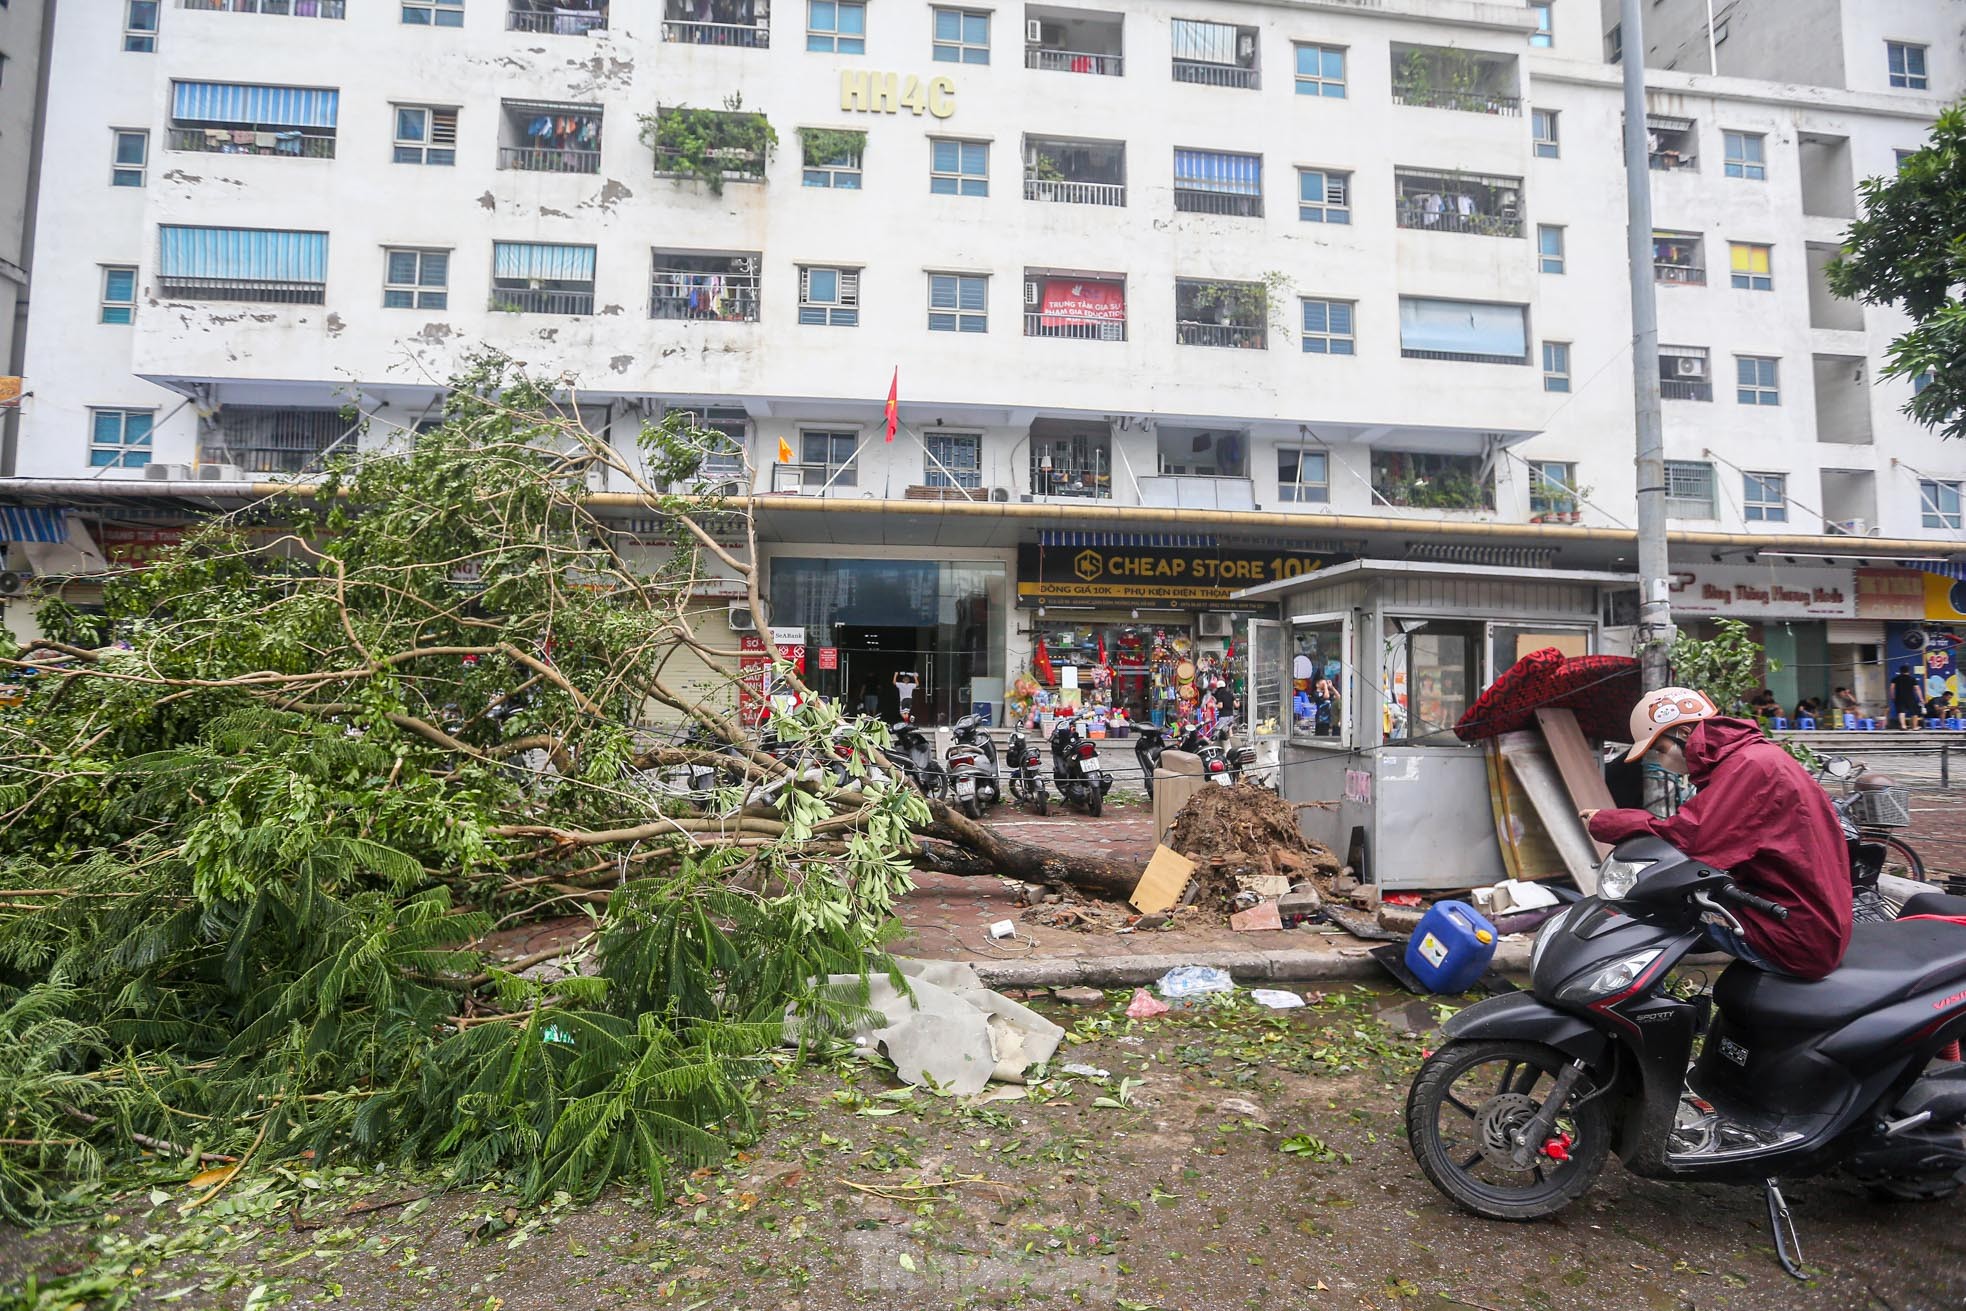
x: 1075, y: 767
x: 1220, y: 762
x: 1027, y: 772
x: 914, y: 755
x: 972, y: 765
x: 1513, y: 1117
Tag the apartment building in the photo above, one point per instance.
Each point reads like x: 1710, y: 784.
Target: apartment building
x: 1180, y: 296
x: 21, y: 31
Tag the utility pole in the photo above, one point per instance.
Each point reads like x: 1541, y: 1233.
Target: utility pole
x: 1655, y: 630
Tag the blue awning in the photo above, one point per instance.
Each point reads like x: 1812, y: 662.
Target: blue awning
x: 261, y: 106
x: 1213, y: 170
x: 1956, y: 571
x: 1182, y: 541
x: 31, y: 523
x: 528, y: 259
x: 257, y: 254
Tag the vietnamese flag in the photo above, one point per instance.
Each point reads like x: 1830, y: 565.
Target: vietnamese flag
x: 1041, y: 664
x: 893, y: 403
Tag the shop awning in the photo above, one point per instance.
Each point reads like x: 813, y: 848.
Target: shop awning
x: 28, y: 523
x: 1668, y: 123
x: 1049, y: 537
x: 1934, y: 567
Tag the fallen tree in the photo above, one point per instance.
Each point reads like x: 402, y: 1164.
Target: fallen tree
x: 260, y: 817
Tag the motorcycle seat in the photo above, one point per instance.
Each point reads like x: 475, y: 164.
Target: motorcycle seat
x: 1886, y: 963
x: 1935, y: 903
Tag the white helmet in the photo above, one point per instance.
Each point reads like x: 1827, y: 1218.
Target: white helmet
x: 1658, y: 711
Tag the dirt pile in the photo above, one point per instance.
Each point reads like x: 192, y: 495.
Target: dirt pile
x: 1244, y: 832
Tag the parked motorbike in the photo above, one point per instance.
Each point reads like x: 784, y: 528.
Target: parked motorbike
x: 914, y: 755
x: 1221, y: 762
x: 1027, y: 772
x: 1075, y: 767
x: 1513, y: 1117
x: 972, y: 764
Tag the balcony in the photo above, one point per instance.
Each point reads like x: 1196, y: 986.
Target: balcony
x: 1679, y: 259
x: 1197, y: 492
x: 1685, y: 389
x: 290, y: 142
x: 1230, y: 203
x: 1231, y: 314
x: 1685, y: 373
x: 717, y: 23
x: 1071, y: 458
x: 1074, y: 308
x: 1472, y: 203
x: 289, y: 8
x: 540, y: 137
x: 1671, y: 144
x: 1439, y: 77
x: 1843, y: 399
x: 1200, y: 72
x: 1431, y: 482
x: 713, y: 146
x: 557, y: 17
x: 1215, y: 54
x: 1073, y: 41
x: 541, y: 300
x: 1065, y: 172
x: 704, y: 288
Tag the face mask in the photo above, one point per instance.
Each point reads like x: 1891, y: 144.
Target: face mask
x: 1670, y: 756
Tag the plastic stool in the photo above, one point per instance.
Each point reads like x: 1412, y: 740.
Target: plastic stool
x: 1849, y: 720
x: 1956, y: 723
x: 1868, y: 725
x: 1781, y: 725
x: 1806, y: 725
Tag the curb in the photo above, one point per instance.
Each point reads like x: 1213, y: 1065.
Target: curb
x: 1282, y: 965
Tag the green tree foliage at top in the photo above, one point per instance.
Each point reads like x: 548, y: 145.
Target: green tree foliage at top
x: 1909, y: 250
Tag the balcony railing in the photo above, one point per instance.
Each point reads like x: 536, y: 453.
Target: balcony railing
x: 1468, y: 102
x: 739, y: 165
x: 708, y: 297
x: 1063, y: 191
x: 1246, y: 336
x: 290, y: 8
x: 1197, y: 492
x: 1086, y: 484
x: 1203, y: 73
x: 547, y: 159
x: 751, y: 35
x: 534, y: 300
x: 1685, y: 389
x: 1073, y: 61
x: 225, y: 141
x: 1410, y: 353
x: 258, y: 290
x: 556, y: 22
x: 1073, y: 329
x: 1690, y: 275
x: 1447, y: 220
x: 1232, y: 203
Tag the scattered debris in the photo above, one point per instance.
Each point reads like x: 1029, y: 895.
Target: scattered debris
x: 1166, y: 882
x: 1276, y: 998
x: 1085, y: 1071
x: 1242, y: 836
x: 1194, y: 980
x: 1240, y: 1106
x: 1145, y: 1005
x: 1257, y: 919
x: 1080, y: 996
x: 1299, y: 905
x: 1400, y: 919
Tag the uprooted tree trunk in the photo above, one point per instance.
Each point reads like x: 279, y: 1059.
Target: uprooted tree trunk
x: 258, y: 819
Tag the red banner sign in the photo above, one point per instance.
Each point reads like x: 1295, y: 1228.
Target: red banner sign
x: 1067, y: 302
x: 829, y: 657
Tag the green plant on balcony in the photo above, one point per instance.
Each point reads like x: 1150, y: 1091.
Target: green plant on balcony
x: 1045, y: 169
x: 710, y: 145
x: 1434, y: 77
x: 823, y: 147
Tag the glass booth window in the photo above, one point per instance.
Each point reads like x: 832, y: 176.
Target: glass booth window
x: 1432, y: 671
x: 1316, y: 690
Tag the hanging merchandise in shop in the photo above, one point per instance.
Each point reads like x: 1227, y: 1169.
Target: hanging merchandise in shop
x: 1202, y: 576
x: 1121, y: 674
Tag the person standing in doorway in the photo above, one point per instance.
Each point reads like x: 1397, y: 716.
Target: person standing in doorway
x: 1907, y: 705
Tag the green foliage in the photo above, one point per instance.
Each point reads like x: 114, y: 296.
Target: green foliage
x: 1728, y: 668
x: 1909, y: 250
x: 821, y: 146
x: 254, y: 848
x: 711, y: 145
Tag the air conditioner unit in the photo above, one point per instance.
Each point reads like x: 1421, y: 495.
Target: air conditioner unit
x: 1853, y: 527
x: 1217, y: 625
x: 742, y: 620
x: 1000, y: 493
x: 13, y: 582
x: 1690, y: 366
x: 221, y: 473
x: 165, y: 473
x: 1033, y: 31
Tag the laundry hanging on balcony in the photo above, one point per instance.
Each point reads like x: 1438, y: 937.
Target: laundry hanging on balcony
x: 242, y: 255
x: 1212, y: 170
x: 525, y: 259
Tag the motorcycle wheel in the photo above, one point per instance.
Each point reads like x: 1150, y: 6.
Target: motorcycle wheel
x: 1901, y: 860
x: 972, y: 808
x: 1044, y: 803
x: 1095, y: 803
x: 1461, y: 1111
x: 1926, y: 1188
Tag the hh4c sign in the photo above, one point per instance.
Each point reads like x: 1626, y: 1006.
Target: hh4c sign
x: 1205, y: 577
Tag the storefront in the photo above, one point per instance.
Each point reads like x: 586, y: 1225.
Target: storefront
x: 1143, y: 627
x: 1806, y: 620
x: 1933, y: 644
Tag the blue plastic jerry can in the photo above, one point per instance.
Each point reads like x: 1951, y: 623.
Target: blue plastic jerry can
x: 1451, y: 948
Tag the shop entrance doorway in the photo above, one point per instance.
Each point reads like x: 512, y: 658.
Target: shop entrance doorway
x: 872, y: 656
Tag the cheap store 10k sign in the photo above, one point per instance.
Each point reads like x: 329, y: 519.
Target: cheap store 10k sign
x: 1135, y: 575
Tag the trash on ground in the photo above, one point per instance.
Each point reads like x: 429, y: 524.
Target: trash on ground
x: 1194, y: 980
x: 1145, y: 1005
x: 1512, y: 894
x: 1525, y: 921
x: 1299, y: 905
x: 1085, y: 1071
x: 956, y: 1033
x: 1003, y: 929
x: 1240, y: 1106
x: 1257, y: 919
x: 1080, y: 996
x: 1276, y: 998
x: 1451, y: 948
x: 1401, y: 899
x: 1267, y: 887
x: 1166, y: 882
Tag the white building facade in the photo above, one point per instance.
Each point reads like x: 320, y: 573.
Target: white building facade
x: 1276, y: 283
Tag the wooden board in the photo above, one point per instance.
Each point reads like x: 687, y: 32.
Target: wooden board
x: 1577, y: 762
x: 1165, y: 884
x: 1529, y: 756
x: 1528, y: 851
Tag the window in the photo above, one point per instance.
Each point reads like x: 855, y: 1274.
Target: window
x: 723, y: 435
x: 1545, y: 35
x: 140, y: 34
x: 1764, y: 497
x: 132, y: 158
x: 1906, y: 62
x: 958, y: 168
x: 830, y: 454
x: 1209, y: 313
x: 425, y: 135
x: 1921, y: 381
x: 958, y: 302
x: 1683, y: 373
x: 1614, y: 44
x: 434, y: 13
x: 961, y: 37
x: 1324, y: 196
x: 120, y: 439
x: 1328, y: 327
x: 1744, y: 155
x: 119, y: 294
x: 1542, y: 128
x: 1303, y: 477
x: 1751, y: 266
x: 1552, y: 487
x: 1473, y: 331
x: 829, y: 297
x: 416, y: 279
x: 1940, y: 504
x: 275, y: 439
x: 832, y: 159
x: 1318, y: 681
x: 1214, y: 54
x: 1433, y: 670
x: 1214, y: 182
x: 1899, y: 158
x: 693, y: 285
x: 1321, y: 71
x: 1754, y: 378
x: 242, y: 264
x: 836, y: 25
x: 1690, y: 490
x: 1549, y: 247
x: 955, y: 459
x: 535, y: 277
x: 1556, y: 366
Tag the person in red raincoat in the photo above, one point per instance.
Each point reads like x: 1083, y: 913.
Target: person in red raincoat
x: 1760, y: 816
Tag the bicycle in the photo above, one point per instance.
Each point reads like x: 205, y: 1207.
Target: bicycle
x: 1874, y: 804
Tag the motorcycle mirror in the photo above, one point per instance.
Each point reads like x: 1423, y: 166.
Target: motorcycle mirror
x: 1838, y: 767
